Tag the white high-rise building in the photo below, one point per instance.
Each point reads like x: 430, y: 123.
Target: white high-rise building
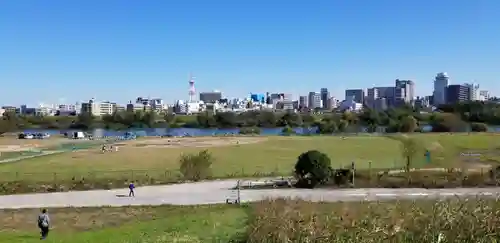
x: 484, y: 95
x: 473, y: 91
x: 440, y: 85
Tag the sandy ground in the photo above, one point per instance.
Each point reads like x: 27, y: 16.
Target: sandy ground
x: 187, y: 142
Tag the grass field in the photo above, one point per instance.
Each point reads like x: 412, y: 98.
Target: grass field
x: 157, y: 158
x: 269, y: 221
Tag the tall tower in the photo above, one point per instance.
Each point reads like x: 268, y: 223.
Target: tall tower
x: 440, y: 84
x: 192, y: 90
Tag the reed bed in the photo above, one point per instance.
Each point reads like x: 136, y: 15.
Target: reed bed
x: 453, y: 220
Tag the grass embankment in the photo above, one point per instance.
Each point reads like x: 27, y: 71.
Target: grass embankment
x: 276, y: 221
x: 145, y: 164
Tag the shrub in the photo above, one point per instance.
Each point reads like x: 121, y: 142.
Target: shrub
x: 448, y: 122
x: 327, y: 127
x: 287, y: 131
x: 478, y: 127
x: 196, y: 167
x: 408, y: 124
x: 249, y: 130
x: 312, y: 168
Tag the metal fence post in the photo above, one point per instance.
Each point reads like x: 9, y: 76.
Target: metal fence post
x: 370, y: 172
x: 353, y: 169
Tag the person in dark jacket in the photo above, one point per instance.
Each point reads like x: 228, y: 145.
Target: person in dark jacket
x: 131, y: 187
x: 44, y: 224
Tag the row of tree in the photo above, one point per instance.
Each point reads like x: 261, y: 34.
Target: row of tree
x: 459, y: 117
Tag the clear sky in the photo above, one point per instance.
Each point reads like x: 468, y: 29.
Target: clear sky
x: 61, y: 50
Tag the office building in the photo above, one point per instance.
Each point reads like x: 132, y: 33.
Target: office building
x: 259, y: 98
x: 210, y: 97
x: 407, y: 90
x: 473, y: 91
x: 314, y: 100
x: 287, y: 100
x: 98, y: 108
x: 484, y: 95
x: 325, y: 98
x: 303, y: 101
x: 357, y: 95
x: 441, y: 83
x: 457, y: 93
x: 380, y: 104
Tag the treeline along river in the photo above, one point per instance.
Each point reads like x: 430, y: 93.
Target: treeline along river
x: 215, y: 131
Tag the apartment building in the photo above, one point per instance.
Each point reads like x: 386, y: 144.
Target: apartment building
x: 98, y: 108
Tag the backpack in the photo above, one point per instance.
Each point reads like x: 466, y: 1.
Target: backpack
x: 43, y: 221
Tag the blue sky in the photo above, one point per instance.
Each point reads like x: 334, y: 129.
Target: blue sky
x: 60, y: 50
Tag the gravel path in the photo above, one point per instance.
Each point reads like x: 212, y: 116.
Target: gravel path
x: 213, y: 192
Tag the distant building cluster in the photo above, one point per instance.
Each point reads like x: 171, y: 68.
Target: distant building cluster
x: 378, y: 98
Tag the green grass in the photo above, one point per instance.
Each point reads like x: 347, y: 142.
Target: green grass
x: 277, y: 154
x: 273, y: 156
x: 169, y: 224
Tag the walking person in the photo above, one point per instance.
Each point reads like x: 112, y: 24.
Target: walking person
x: 131, y: 187
x: 44, y: 224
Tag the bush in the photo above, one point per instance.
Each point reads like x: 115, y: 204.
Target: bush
x: 448, y: 122
x: 196, y: 167
x: 312, y: 168
x: 249, y: 130
x: 478, y: 127
x: 287, y: 131
x: 327, y: 127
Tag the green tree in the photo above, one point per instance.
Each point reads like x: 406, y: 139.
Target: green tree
x: 312, y: 168
x: 226, y: 119
x: 478, y: 127
x: 169, y: 117
x: 448, y: 122
x: 327, y: 127
x: 410, y: 148
x: 287, y: 131
x: 408, y: 124
x: 196, y: 167
x: 249, y: 130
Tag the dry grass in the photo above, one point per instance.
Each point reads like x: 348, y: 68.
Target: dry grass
x: 280, y: 221
x: 149, y: 161
x: 275, y: 154
x: 271, y: 221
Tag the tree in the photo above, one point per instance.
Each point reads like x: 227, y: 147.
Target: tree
x: 6, y: 126
x: 448, y: 122
x: 312, y: 168
x: 327, y: 127
x: 408, y: 124
x: 478, y: 127
x: 249, y: 130
x: 196, y: 167
x: 169, y: 117
x: 226, y: 119
x: 410, y: 149
x: 287, y: 131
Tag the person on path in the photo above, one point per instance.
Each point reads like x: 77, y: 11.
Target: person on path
x: 131, y: 187
x: 44, y: 224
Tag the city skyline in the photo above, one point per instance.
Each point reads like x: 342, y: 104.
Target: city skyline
x: 129, y: 49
